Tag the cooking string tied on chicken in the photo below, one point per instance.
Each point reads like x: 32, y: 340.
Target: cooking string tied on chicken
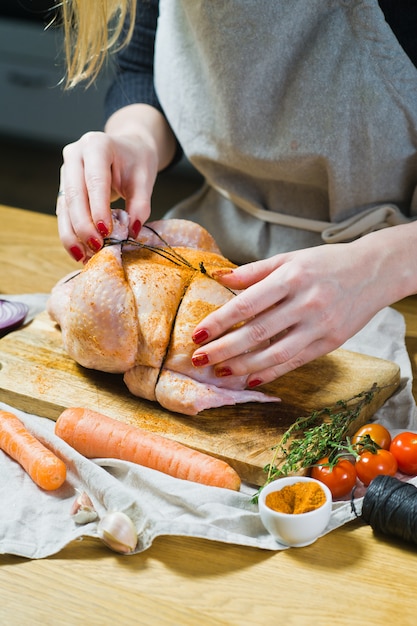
x: 134, y: 306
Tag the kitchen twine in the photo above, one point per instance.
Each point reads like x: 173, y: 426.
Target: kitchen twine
x: 390, y: 508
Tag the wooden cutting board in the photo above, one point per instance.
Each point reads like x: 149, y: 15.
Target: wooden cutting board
x: 37, y: 376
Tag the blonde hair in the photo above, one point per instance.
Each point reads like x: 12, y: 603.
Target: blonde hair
x: 93, y: 29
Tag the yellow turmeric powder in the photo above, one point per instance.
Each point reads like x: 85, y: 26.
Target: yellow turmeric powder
x: 297, y: 498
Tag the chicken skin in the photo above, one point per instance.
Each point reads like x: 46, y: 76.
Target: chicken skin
x: 134, y: 306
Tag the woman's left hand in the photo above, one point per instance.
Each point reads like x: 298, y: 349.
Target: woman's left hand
x: 295, y: 307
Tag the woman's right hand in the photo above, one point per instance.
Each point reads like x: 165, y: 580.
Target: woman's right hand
x: 100, y: 167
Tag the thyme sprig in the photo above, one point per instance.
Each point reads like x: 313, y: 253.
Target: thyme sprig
x: 313, y: 436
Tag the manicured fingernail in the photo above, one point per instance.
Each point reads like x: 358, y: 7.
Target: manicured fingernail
x: 220, y: 372
x: 94, y: 244
x: 77, y: 253
x: 200, y: 359
x: 102, y: 228
x: 136, y: 226
x: 200, y: 335
x: 255, y: 382
x: 222, y: 272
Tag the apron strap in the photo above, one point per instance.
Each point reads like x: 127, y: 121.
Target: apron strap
x: 374, y: 218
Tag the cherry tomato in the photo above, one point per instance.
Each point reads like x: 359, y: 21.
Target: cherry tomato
x: 339, y: 478
x: 378, y: 433
x: 369, y: 465
x: 404, y: 448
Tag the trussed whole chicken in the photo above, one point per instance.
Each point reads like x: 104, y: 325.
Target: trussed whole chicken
x: 134, y: 306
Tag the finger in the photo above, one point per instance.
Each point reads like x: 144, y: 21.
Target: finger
x: 138, y: 195
x: 76, y: 230
x: 88, y: 184
x: 310, y: 353
x: 97, y: 162
x: 68, y: 238
x: 75, y: 200
x: 138, y: 205
x: 241, y: 309
x: 280, y: 349
x: 246, y: 275
x: 252, y: 337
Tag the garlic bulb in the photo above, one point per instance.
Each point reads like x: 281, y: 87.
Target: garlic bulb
x: 118, y: 532
x: 83, y: 510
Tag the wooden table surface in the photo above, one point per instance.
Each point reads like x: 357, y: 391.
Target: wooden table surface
x: 349, y: 575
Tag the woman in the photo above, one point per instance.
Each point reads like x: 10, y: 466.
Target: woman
x: 302, y: 117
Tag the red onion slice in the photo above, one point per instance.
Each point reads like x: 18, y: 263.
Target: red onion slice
x: 12, y: 315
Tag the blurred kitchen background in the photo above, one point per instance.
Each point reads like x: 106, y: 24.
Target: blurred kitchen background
x: 37, y: 118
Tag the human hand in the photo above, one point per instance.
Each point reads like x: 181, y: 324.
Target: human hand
x: 295, y: 307
x: 97, y: 169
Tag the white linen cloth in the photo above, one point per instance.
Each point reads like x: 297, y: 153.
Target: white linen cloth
x: 36, y: 524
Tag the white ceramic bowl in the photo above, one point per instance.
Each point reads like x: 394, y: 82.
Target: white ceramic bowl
x: 299, y: 529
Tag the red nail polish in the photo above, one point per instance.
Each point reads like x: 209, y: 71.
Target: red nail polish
x: 222, y: 272
x: 77, y: 253
x: 255, y: 382
x: 136, y: 226
x: 200, y: 336
x: 220, y: 372
x: 94, y: 244
x: 200, y: 359
x: 102, y: 228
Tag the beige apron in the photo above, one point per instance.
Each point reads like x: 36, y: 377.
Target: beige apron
x: 300, y: 114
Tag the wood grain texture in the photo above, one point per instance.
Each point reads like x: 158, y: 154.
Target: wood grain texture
x: 408, y: 308
x: 32, y: 259
x: 37, y: 375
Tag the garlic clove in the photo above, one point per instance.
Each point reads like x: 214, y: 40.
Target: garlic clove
x: 118, y: 532
x: 82, y: 510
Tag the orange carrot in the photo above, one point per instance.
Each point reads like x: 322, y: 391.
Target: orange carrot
x: 95, y: 435
x: 44, y: 468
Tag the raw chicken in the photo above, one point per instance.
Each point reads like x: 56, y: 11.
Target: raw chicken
x: 132, y: 310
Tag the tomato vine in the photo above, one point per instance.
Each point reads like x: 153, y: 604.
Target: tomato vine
x: 315, y: 436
